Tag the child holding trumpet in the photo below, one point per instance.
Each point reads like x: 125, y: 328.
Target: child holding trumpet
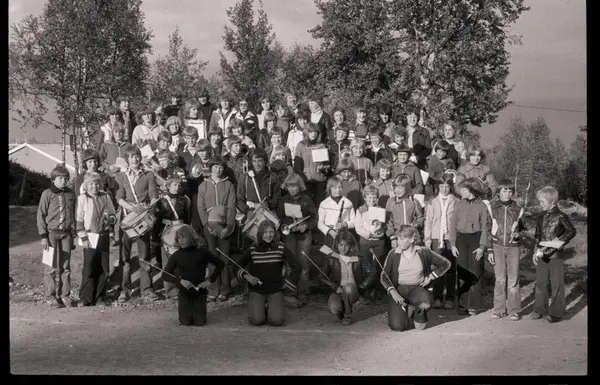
x: 296, y: 231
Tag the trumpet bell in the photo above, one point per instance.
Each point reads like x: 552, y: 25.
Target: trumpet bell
x: 285, y: 230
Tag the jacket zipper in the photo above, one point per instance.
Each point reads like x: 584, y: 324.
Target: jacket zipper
x: 504, y: 232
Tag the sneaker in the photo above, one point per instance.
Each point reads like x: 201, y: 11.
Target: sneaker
x: 437, y: 304
x: 123, y: 297
x: 85, y: 304
x: 472, y: 311
x: 211, y: 298
x: 497, y: 315
x: 151, y: 296
x: 55, y: 303
x: 449, y: 304
x: 293, y: 302
x: 462, y: 311
x: 552, y: 319
x: 514, y: 317
x: 346, y: 321
x: 535, y: 315
x: 68, y: 302
x: 222, y: 297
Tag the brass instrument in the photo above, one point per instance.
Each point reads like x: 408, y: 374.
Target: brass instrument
x: 287, y: 229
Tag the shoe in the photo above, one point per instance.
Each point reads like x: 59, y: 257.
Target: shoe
x: 68, y: 302
x: 535, y: 316
x: 346, y: 321
x: 497, y: 315
x: 103, y: 301
x: 123, y: 297
x: 462, y: 311
x: 449, y: 304
x: 552, y: 319
x: 293, y: 302
x: 115, y: 243
x: 151, y: 296
x: 85, y: 304
x: 437, y: 304
x: 514, y: 317
x: 472, y: 311
x: 222, y: 298
x: 55, y: 303
x: 211, y: 298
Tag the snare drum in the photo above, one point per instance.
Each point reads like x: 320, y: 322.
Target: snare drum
x: 260, y: 214
x: 168, y: 238
x: 135, y: 225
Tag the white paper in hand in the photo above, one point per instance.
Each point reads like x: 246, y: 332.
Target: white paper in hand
x: 325, y: 250
x: 555, y: 243
x: 48, y: 257
x: 93, y: 238
x: 292, y: 210
x: 147, y: 151
x: 377, y: 213
x: 320, y: 155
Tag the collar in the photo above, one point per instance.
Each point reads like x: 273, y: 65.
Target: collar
x: 265, y: 246
x: 346, y: 259
x: 402, y: 198
x: 57, y: 190
x: 134, y: 173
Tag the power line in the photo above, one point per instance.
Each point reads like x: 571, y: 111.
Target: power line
x: 546, y: 108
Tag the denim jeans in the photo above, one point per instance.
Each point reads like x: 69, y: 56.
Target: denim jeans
x: 506, y: 287
x: 222, y: 286
x: 273, y: 313
x: 416, y: 296
x: 553, y: 271
x: 61, y: 241
x: 448, y: 280
x: 466, y: 245
x: 143, y: 246
x: 298, y: 243
x: 342, y: 303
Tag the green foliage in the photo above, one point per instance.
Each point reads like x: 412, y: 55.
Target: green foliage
x: 35, y: 184
x: 76, y: 58
x: 447, y: 57
x: 540, y: 160
x: 179, y: 71
x: 255, y: 58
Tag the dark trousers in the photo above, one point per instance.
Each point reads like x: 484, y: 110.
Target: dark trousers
x: 472, y: 270
x: 94, y: 272
x: 155, y: 242
x: 61, y: 241
x: 222, y: 286
x: 341, y: 304
x: 380, y: 248
x: 448, y: 280
x: 554, y: 272
x: 191, y: 309
x: 170, y: 288
x: 273, y: 313
x: 143, y: 246
x: 316, y: 190
x: 298, y: 243
x: 416, y: 296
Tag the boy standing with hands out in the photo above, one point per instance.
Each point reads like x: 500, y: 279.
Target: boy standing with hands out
x: 56, y: 226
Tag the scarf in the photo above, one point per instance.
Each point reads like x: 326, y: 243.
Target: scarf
x: 346, y: 269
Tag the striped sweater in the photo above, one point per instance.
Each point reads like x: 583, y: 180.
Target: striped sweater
x: 265, y: 261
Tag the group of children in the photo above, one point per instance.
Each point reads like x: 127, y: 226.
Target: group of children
x: 399, y: 210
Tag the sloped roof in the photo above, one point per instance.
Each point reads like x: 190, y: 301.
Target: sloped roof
x: 52, y: 151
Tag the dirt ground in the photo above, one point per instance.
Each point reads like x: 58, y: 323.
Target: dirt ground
x: 144, y: 339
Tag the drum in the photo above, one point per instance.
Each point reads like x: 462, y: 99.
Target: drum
x: 217, y: 218
x: 260, y: 214
x: 136, y: 225
x: 168, y: 238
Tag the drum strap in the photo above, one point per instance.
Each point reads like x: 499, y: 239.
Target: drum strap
x: 172, y: 208
x: 256, y: 189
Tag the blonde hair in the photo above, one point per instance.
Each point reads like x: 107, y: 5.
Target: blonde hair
x: 357, y: 142
x: 370, y: 190
x: 279, y: 150
x: 405, y: 181
x: 186, y: 237
x: 89, y: 178
x: 294, y: 179
x: 549, y: 193
x: 408, y: 232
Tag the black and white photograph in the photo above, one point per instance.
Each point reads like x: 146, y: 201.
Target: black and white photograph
x: 298, y: 188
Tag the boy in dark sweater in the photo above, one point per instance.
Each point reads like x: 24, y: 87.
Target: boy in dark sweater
x: 56, y: 227
x: 187, y: 268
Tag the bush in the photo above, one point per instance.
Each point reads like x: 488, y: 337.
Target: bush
x: 35, y: 184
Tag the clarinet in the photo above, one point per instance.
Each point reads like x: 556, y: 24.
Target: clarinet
x: 341, y: 211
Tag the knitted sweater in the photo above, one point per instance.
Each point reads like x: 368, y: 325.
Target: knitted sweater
x: 190, y: 264
x: 265, y: 261
x: 56, y: 211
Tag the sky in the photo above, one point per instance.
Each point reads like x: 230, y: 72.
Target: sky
x: 548, y: 70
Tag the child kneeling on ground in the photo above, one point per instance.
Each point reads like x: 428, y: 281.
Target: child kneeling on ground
x: 265, y: 262
x: 187, y: 268
x: 348, y: 276
x: 406, y: 275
